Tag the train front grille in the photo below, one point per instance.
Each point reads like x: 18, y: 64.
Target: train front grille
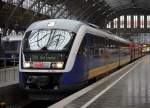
x: 50, y: 81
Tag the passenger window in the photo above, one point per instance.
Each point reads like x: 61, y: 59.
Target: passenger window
x: 81, y: 50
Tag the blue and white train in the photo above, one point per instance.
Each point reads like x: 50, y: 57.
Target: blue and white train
x: 60, y: 55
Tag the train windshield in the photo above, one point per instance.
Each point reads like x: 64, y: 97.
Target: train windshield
x: 50, y: 40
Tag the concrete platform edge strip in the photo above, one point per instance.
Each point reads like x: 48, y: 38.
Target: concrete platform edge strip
x: 102, y: 92
x: 8, y: 83
x: 67, y: 100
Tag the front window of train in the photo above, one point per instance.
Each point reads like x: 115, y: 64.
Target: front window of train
x: 47, y: 49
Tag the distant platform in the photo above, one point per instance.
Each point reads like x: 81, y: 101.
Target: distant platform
x: 129, y: 87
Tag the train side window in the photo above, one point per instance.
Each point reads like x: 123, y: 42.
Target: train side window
x: 98, y: 45
x: 106, y: 43
x: 112, y: 44
x: 81, y: 48
x: 92, y: 45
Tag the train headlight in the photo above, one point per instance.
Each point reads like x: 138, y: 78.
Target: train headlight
x: 57, y: 65
x: 26, y: 65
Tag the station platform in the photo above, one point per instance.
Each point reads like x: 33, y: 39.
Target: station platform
x: 9, y: 76
x: 129, y: 87
x: 10, y: 93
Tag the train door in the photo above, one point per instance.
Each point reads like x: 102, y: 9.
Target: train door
x: 112, y: 54
x: 93, y: 52
x: 124, y: 53
x: 106, y: 53
x: 132, y: 51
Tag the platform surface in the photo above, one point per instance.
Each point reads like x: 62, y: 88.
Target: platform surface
x: 132, y: 91
x: 9, y: 76
x: 129, y: 88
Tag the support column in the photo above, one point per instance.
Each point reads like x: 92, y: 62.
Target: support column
x: 132, y: 21
x: 112, y: 24
x: 145, y: 21
x: 125, y: 21
x: 139, y: 22
x: 118, y: 22
x: 0, y: 38
x: 0, y: 46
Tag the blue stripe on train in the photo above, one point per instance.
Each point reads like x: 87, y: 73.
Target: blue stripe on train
x: 77, y: 74
x: 81, y: 67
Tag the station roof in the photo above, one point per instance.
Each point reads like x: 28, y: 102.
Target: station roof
x: 98, y: 11
x: 118, y: 5
x: 93, y: 11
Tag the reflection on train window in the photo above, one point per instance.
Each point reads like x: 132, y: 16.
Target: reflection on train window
x: 48, y: 40
x: 96, y: 46
x: 91, y: 45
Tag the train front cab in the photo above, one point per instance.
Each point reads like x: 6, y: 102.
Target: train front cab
x: 43, y: 69
x: 96, y: 56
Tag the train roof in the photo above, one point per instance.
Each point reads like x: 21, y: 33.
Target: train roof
x: 109, y: 35
x: 71, y: 25
x: 121, y: 39
x: 12, y: 38
x: 66, y: 24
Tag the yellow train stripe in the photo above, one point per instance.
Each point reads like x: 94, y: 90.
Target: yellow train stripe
x: 122, y: 62
x: 103, y: 69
